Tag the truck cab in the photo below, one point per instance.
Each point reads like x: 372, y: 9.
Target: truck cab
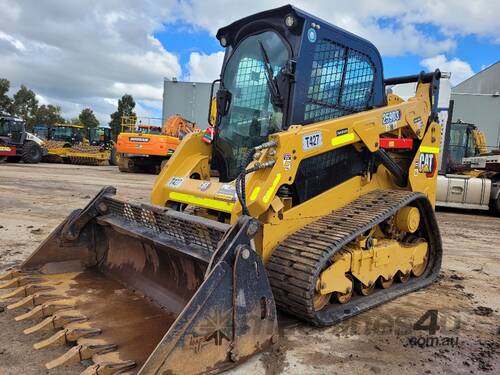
x: 468, y: 180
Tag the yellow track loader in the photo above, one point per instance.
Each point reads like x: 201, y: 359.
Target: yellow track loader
x: 315, y: 195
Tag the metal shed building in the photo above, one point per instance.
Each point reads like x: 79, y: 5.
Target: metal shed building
x: 188, y: 99
x: 477, y: 101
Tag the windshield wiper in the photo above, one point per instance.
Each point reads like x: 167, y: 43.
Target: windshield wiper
x: 276, y: 98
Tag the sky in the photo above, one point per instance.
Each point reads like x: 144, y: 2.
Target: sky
x: 88, y: 53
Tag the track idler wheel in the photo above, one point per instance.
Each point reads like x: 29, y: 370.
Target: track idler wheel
x: 362, y: 289
x: 344, y: 297
x: 321, y: 300
x: 419, y: 269
x: 385, y: 283
x: 403, y: 277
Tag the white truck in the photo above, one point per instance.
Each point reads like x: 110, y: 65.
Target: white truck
x: 470, y: 180
x: 468, y: 177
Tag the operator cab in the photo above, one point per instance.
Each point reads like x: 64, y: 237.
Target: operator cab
x: 284, y: 67
x: 461, y: 145
x: 12, y: 129
x: 100, y: 136
x: 72, y: 134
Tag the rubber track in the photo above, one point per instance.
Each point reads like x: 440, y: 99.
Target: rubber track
x: 297, y: 262
x: 123, y: 165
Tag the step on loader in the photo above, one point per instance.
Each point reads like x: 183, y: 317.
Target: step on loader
x: 315, y: 196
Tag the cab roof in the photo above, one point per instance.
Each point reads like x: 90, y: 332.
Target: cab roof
x: 303, y: 16
x: 69, y: 126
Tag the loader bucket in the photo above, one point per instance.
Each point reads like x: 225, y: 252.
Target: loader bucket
x: 148, y: 290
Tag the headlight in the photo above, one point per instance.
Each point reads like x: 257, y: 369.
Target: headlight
x: 290, y: 21
x: 223, y: 41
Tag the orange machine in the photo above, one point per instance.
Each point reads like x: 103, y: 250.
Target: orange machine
x: 145, y: 148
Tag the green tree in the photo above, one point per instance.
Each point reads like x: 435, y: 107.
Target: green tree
x: 88, y: 119
x: 125, y: 108
x: 5, y: 101
x: 25, y: 106
x: 48, y: 115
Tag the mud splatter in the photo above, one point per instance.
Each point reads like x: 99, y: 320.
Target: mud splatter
x: 483, y: 311
x: 488, y: 353
x: 274, y: 362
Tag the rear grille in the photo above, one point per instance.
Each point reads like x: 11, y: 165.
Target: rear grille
x: 187, y: 230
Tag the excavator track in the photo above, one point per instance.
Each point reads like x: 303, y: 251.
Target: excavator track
x: 297, y: 262
x: 126, y: 165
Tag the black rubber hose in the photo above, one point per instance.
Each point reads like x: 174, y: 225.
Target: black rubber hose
x: 401, y: 177
x: 240, y: 181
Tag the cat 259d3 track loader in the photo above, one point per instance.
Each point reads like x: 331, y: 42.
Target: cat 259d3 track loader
x: 322, y: 206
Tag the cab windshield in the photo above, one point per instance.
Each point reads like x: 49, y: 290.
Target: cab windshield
x: 98, y: 136
x: 67, y: 134
x: 252, y: 117
x: 9, y: 126
x: 461, y: 142
x: 149, y: 129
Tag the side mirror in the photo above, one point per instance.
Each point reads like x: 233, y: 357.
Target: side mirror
x: 223, y: 98
x: 212, y: 117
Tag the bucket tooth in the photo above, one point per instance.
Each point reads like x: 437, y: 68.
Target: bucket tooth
x: 66, y: 336
x: 54, y: 322
x: 80, y: 353
x: 32, y: 301
x: 16, y: 282
x: 43, y: 311
x: 24, y: 291
x: 109, y: 368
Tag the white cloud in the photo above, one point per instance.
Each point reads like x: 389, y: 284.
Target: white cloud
x: 204, y: 68
x: 139, y: 90
x: 460, y: 17
x: 12, y: 41
x: 460, y: 70
x: 75, y: 54
x: 41, y: 99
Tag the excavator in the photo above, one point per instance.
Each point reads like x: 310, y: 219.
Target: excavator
x: 314, y: 196
x: 146, y: 148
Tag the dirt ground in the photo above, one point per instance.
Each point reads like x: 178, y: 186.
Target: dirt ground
x: 34, y: 199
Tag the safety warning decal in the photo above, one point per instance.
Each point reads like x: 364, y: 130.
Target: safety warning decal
x: 175, y: 182
x: 287, y: 162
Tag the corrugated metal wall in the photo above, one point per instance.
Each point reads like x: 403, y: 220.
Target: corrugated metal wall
x: 483, y: 111
x: 477, y: 101
x: 188, y: 99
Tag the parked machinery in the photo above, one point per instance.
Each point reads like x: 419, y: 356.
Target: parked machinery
x: 17, y: 144
x: 146, y: 148
x: 75, y: 144
x: 471, y: 178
